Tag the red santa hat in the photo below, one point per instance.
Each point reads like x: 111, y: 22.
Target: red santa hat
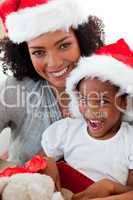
x: 112, y: 63
x: 27, y: 19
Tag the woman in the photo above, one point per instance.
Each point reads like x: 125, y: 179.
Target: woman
x: 44, y: 41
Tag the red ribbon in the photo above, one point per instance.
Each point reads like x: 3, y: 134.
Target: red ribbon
x: 36, y: 164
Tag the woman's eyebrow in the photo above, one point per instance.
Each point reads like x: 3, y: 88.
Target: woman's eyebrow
x: 56, y: 43
x: 61, y: 40
x: 36, y: 47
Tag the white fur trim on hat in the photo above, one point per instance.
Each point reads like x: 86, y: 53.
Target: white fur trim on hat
x: 31, y: 22
x: 105, y: 68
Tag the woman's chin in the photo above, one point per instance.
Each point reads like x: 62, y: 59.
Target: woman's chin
x: 58, y: 84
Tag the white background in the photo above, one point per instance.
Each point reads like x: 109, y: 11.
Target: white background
x: 117, y: 16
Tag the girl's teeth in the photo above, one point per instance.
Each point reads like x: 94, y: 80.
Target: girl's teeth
x: 94, y: 121
x: 95, y: 124
x: 58, y: 74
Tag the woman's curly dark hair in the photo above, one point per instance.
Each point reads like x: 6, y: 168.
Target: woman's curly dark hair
x: 16, y: 57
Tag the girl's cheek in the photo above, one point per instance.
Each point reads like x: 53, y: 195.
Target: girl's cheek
x: 82, y: 108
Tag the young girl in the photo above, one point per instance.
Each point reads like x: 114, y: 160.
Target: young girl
x: 99, y: 142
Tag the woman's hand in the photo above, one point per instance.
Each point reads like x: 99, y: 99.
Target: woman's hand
x: 102, y: 188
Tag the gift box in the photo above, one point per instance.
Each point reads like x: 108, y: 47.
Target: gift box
x: 72, y: 179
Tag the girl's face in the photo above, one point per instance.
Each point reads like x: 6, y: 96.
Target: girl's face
x: 54, y: 55
x: 100, y: 107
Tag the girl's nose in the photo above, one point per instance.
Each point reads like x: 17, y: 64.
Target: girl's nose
x: 90, y: 114
x: 91, y: 111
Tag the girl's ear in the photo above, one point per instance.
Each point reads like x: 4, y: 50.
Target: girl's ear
x: 124, y: 101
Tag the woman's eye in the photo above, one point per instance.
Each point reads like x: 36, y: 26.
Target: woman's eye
x: 64, y: 46
x: 38, y: 53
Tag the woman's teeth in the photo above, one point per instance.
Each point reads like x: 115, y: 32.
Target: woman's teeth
x: 60, y: 73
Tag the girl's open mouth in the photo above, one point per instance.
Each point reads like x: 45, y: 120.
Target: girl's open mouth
x: 95, y: 124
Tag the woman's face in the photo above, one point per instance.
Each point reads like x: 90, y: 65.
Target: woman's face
x: 54, y: 55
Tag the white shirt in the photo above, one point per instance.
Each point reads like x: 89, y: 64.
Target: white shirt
x: 111, y: 158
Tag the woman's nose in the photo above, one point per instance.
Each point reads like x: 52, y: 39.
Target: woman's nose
x: 53, y: 60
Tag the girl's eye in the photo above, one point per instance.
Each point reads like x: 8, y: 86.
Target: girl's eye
x: 64, y: 45
x: 83, y: 99
x: 38, y: 53
x: 103, y: 102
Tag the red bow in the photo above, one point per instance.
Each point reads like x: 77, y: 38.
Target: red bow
x: 36, y: 164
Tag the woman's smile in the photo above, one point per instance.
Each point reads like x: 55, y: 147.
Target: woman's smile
x: 60, y: 73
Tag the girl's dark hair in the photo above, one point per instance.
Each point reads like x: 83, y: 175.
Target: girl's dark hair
x: 16, y: 57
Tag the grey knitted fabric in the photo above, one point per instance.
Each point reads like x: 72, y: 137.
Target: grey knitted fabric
x: 28, y: 108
